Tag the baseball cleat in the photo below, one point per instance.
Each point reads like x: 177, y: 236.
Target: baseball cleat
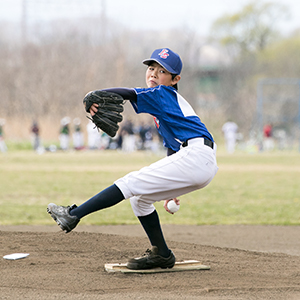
x: 151, y: 260
x: 61, y: 215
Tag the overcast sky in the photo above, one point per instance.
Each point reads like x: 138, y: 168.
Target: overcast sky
x: 155, y: 14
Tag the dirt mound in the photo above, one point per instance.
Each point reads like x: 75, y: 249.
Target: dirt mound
x: 71, y: 266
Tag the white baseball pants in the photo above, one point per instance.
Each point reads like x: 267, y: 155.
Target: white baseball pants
x: 191, y: 168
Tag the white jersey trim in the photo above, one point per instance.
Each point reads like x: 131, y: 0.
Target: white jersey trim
x: 185, y: 107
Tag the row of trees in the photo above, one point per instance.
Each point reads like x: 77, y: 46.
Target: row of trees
x: 259, y: 50
x: 48, y: 75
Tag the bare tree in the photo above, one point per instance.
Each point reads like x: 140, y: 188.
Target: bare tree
x: 251, y: 29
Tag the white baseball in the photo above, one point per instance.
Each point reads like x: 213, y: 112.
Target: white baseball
x: 172, y: 206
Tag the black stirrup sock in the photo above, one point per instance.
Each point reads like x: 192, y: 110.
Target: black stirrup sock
x: 152, y: 227
x: 108, y: 197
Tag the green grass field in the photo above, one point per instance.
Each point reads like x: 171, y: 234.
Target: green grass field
x: 258, y: 188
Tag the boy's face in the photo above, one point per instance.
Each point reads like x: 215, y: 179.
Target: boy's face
x: 157, y: 75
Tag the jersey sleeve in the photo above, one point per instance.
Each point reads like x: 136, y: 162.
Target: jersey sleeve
x: 126, y: 93
x: 150, y: 100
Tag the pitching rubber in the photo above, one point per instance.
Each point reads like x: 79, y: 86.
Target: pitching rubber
x: 186, y: 265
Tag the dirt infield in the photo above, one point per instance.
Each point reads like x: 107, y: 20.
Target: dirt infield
x: 247, y: 262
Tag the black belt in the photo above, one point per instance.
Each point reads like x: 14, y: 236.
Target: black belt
x: 207, y: 142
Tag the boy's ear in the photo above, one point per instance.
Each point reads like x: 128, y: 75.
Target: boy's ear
x: 176, y: 79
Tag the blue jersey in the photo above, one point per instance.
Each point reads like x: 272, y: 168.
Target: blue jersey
x: 175, y: 119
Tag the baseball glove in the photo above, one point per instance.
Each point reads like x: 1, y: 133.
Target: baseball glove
x: 110, y: 107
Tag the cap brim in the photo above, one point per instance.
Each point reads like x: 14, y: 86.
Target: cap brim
x: 168, y: 68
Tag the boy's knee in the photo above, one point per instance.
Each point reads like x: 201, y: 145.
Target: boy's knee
x: 140, y: 207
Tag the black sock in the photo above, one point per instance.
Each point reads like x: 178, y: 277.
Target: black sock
x: 108, y: 197
x: 152, y: 227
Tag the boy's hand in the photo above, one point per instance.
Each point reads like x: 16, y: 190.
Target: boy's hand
x: 94, y: 109
x: 177, y: 201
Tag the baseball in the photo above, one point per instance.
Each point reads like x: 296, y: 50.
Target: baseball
x: 172, y: 206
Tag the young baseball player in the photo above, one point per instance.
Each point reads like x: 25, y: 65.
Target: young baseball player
x: 190, y: 164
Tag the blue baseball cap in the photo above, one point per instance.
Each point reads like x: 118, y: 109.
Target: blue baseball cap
x: 167, y: 59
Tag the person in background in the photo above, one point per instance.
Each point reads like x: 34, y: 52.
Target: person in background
x: 64, y: 136
x: 3, y: 147
x: 268, y: 143
x: 230, y: 130
x: 35, y: 130
x: 78, y: 141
